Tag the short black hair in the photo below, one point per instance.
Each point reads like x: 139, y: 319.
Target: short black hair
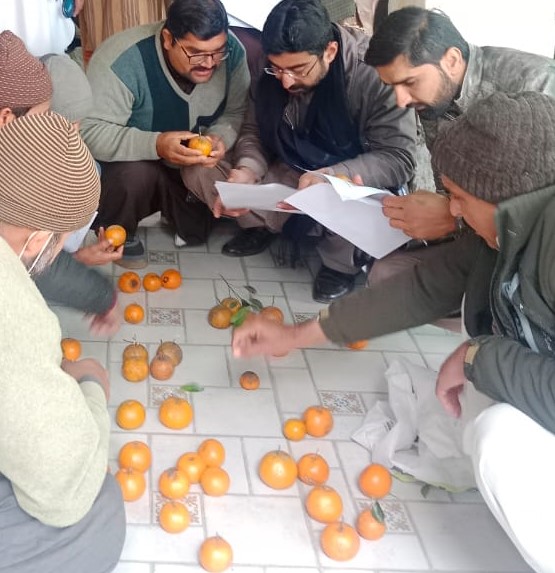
x: 423, y: 36
x: 204, y: 19
x: 297, y: 26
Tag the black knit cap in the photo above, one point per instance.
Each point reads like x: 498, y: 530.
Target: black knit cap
x: 503, y: 146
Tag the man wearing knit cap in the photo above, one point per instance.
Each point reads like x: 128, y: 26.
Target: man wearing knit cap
x: 59, y: 509
x: 498, y: 164
x: 25, y: 89
x: 435, y: 71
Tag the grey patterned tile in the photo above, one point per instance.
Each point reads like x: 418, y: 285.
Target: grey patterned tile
x: 191, y: 501
x: 344, y: 403
x: 303, y: 316
x: 162, y: 258
x: 159, y: 392
x: 165, y: 317
x: 396, y: 516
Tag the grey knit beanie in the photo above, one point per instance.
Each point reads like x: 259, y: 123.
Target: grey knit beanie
x: 504, y: 145
x: 72, y: 94
x: 48, y: 178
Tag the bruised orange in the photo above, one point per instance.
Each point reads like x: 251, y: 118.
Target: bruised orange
x: 272, y: 313
x: 171, y: 279
x: 249, y: 380
x: 233, y: 304
x: 173, y: 483
x: 135, y: 350
x: 220, y: 316
x: 313, y: 469
x: 134, y: 369
x: 129, y: 282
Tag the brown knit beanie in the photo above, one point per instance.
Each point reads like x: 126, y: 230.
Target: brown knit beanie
x: 504, y: 145
x: 48, y: 178
x: 24, y: 81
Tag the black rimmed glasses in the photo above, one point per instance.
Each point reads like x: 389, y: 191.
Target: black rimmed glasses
x: 196, y: 59
x: 273, y: 71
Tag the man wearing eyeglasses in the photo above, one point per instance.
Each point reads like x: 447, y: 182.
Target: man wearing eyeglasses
x: 155, y: 87
x: 318, y: 107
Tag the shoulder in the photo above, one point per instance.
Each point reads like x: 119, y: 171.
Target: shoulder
x: 237, y: 53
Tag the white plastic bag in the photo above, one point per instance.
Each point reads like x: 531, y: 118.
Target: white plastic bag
x: 414, y: 434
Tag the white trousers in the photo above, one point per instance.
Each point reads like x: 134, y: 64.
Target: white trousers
x: 514, y: 463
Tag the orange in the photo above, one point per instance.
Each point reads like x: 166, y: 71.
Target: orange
x: 249, y: 380
x: 318, y: 421
x: 134, y: 369
x: 71, y: 349
x: 135, y: 350
x: 220, y: 316
x: 370, y: 525
x: 135, y: 456
x: 173, y: 484
x: 214, y: 481
x: 313, y: 469
x: 172, y: 351
x: 232, y: 303
x: 200, y: 143
x: 272, y: 313
x: 357, y: 345
x: 339, y: 541
x: 192, y: 465
x: 132, y: 483
x: 375, y: 481
x: 116, y: 234
x: 134, y: 313
x: 175, y: 413
x: 161, y: 367
x: 129, y: 282
x: 174, y: 517
x: 130, y: 415
x: 171, y: 278
x: 152, y: 282
x: 294, y: 429
x: 324, y: 504
x: 215, y: 554
x: 277, y: 469
x: 212, y: 453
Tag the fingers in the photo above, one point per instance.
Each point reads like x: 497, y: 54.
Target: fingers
x: 285, y: 206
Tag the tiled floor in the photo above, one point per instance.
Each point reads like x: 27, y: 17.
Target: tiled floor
x: 268, y: 529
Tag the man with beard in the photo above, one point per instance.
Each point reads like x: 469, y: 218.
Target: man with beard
x: 154, y: 88
x: 434, y: 70
x: 317, y: 108
x: 60, y: 511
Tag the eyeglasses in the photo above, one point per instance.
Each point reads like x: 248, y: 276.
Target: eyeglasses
x: 273, y: 71
x: 196, y: 59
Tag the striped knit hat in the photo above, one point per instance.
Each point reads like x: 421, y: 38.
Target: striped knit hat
x: 503, y: 146
x: 24, y: 81
x: 48, y: 178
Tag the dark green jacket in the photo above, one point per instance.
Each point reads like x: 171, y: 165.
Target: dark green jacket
x: 504, y: 367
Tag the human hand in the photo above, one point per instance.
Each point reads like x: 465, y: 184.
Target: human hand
x: 106, y: 324
x: 244, y: 175
x: 218, y: 210
x: 218, y: 150
x: 100, y: 253
x: 80, y: 369
x: 311, y: 178
x: 451, y: 380
x: 169, y: 146
x: 261, y: 336
x: 420, y: 215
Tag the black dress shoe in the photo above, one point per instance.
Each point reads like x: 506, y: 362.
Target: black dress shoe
x: 248, y: 242
x: 330, y: 285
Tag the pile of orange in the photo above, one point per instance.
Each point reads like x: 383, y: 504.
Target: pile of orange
x: 134, y: 459
x: 168, y: 356
x: 317, y: 421
x: 134, y: 366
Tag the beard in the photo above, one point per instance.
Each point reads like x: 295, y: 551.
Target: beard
x: 446, y: 96
x: 43, y: 260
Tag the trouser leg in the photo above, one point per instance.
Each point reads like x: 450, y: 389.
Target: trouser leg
x: 337, y: 253
x: 514, y: 467
x: 129, y: 193
x: 93, y: 545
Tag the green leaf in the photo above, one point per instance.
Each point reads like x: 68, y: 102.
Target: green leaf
x: 192, y: 388
x: 250, y: 289
x: 238, y: 318
x: 244, y: 302
x: 378, y: 513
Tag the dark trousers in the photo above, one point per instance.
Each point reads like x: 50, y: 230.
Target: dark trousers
x: 133, y: 190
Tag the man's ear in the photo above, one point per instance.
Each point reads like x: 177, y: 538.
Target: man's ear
x: 453, y: 63
x: 167, y: 39
x: 6, y: 116
x: 36, y: 243
x: 331, y: 52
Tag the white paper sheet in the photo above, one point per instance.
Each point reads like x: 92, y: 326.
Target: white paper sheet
x: 353, y: 212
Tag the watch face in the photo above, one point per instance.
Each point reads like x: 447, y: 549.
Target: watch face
x: 68, y: 7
